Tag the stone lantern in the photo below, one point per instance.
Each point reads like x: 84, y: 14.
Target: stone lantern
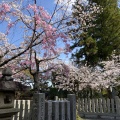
x: 7, y: 95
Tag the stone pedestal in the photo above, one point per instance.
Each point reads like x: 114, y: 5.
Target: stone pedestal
x: 6, y: 114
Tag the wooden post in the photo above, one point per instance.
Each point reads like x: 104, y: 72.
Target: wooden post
x: 56, y: 98
x: 26, y: 110
x: 21, y: 110
x: 100, y: 105
x: 112, y: 105
x: 30, y: 111
x: 72, y: 99
x: 89, y: 105
x: 93, y: 105
x: 79, y: 106
x: 16, y: 106
x: 108, y: 105
x: 82, y: 105
x: 86, y: 105
x: 104, y: 105
x: 117, y: 103
x: 38, y: 109
x: 96, y: 105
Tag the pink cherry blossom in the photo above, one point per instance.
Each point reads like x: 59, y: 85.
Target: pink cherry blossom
x: 33, y: 7
x: 5, y: 7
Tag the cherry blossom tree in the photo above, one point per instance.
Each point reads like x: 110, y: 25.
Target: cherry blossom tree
x: 96, y: 78
x: 38, y: 30
x: 83, y: 13
x: 31, y: 38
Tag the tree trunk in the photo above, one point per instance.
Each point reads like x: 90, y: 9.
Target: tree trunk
x: 36, y: 82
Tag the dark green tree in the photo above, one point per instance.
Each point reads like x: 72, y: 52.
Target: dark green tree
x: 100, y: 36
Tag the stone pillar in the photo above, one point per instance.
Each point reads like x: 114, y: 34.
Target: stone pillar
x: 48, y: 110
x: 72, y: 99
x: 67, y: 110
x: 62, y: 110
x: 38, y: 109
x: 55, y: 109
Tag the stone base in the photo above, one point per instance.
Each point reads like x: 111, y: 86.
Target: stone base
x: 8, y: 118
x: 91, y: 116
x: 6, y: 114
x: 117, y: 118
x: 108, y: 117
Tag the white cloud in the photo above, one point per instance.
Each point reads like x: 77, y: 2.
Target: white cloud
x: 69, y: 3
x: 66, y: 3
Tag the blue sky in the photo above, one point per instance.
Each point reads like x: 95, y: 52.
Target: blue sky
x: 48, y: 5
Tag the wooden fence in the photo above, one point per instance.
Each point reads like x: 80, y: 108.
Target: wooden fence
x: 24, y: 106
x: 99, y: 108
x: 40, y: 109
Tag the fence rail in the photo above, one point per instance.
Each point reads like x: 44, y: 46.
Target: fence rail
x: 100, y: 107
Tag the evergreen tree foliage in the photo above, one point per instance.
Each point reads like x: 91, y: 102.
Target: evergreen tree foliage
x: 97, y: 42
